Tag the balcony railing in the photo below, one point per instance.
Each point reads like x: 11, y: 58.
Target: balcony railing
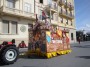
x: 17, y: 12
x: 55, y: 0
x: 61, y: 2
x: 71, y: 16
x: 67, y: 5
x: 39, y: 17
x: 62, y: 12
x: 52, y: 7
x: 71, y: 7
x: 65, y: 14
x: 54, y: 22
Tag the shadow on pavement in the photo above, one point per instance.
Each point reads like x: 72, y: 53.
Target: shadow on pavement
x: 35, y: 66
x: 84, y: 57
x: 26, y: 57
x: 82, y: 46
x: 32, y: 57
x: 1, y: 64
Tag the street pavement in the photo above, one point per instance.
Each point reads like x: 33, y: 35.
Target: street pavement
x: 79, y: 57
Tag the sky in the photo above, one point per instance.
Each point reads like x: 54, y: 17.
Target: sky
x: 82, y: 14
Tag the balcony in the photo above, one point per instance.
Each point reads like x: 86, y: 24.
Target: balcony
x: 52, y: 7
x: 16, y: 13
x: 62, y: 12
x: 55, y: 0
x: 71, y: 7
x: 66, y: 15
x: 53, y: 22
x: 67, y: 5
x: 70, y: 16
x: 61, y: 2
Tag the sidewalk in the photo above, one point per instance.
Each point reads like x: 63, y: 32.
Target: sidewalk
x: 80, y: 42
x: 22, y: 50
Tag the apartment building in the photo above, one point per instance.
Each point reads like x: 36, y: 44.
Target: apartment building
x: 17, y: 17
x: 62, y: 14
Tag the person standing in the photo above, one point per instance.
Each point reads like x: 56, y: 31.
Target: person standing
x: 79, y: 39
x: 13, y: 41
x: 22, y: 45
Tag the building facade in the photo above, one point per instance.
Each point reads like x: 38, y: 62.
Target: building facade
x: 18, y: 16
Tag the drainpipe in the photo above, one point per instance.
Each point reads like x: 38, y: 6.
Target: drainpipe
x: 34, y: 7
x: 0, y: 3
x: 50, y: 14
x: 4, y: 3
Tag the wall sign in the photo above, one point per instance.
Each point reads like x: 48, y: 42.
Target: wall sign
x: 23, y: 28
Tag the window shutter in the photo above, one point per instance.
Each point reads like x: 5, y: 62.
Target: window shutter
x: 14, y: 27
x: 5, y: 28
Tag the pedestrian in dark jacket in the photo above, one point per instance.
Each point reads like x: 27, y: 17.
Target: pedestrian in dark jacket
x: 79, y: 39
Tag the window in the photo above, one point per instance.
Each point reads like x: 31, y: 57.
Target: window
x: 55, y: 17
x: 11, y: 3
x: 71, y: 13
x: 60, y: 9
x: 41, y: 1
x: 71, y: 36
x: 5, y: 26
x: 66, y: 21
x: 61, y: 20
x: 40, y: 14
x: 30, y: 27
x: 27, y: 7
x: 49, y: 1
x: 55, y: 5
x: 71, y: 23
x: 14, y: 27
x: 66, y: 11
x: 52, y: 16
x: 65, y: 1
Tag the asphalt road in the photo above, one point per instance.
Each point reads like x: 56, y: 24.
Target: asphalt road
x: 79, y: 57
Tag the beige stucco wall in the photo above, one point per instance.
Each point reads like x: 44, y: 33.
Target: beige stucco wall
x: 19, y: 4
x: 20, y: 35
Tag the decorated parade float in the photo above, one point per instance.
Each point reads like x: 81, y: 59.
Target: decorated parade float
x: 48, y: 40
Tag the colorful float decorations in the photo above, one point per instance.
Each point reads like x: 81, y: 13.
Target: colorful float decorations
x: 50, y: 42
x: 48, y: 36
x: 59, y: 32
